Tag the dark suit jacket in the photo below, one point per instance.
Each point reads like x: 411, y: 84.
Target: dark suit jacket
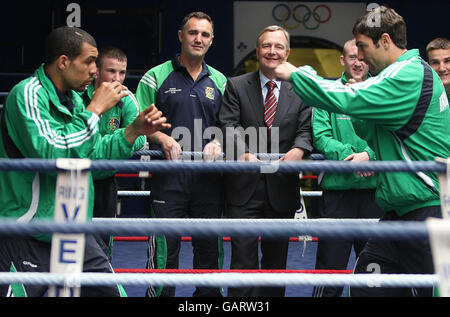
x: 243, y: 106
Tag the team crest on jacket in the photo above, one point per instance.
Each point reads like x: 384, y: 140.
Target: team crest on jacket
x: 113, y: 123
x: 209, y: 93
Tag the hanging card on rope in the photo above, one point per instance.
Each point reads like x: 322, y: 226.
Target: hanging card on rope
x: 302, y: 214
x: 444, y: 186
x: 67, y: 252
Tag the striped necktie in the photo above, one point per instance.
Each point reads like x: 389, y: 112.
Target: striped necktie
x: 270, y: 105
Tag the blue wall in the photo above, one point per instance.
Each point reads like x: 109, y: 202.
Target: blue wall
x: 425, y: 20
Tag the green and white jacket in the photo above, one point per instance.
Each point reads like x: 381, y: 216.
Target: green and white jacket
x: 403, y: 113
x: 335, y: 137
x: 37, y: 125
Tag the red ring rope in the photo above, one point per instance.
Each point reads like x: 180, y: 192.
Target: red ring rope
x: 136, y: 175
x: 230, y: 271
x: 187, y: 239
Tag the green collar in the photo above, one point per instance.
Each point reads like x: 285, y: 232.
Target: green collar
x: 408, y: 55
x: 90, y: 90
x: 87, y: 94
x: 50, y: 88
x: 344, y: 79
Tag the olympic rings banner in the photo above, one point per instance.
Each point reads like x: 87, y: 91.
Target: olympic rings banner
x: 324, y: 20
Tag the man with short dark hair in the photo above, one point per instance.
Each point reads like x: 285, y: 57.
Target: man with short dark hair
x: 438, y: 52
x: 189, y: 93
x: 403, y: 112
x: 44, y: 117
x: 344, y: 195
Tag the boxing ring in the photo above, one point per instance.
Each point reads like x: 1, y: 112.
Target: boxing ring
x: 327, y: 228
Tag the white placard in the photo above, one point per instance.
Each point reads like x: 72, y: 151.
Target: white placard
x: 445, y: 189
x: 302, y: 214
x: 71, y: 201
x: 144, y: 158
x: 439, y: 230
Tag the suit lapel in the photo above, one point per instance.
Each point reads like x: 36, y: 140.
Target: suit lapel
x: 284, y: 103
x: 255, y: 96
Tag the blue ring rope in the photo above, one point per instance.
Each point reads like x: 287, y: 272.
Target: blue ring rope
x: 194, y: 155
x: 384, y: 230
x: 43, y: 165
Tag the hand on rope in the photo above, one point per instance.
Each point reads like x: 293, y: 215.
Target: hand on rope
x: 249, y: 157
x: 360, y: 157
x: 170, y: 146
x: 212, y: 151
x: 295, y: 154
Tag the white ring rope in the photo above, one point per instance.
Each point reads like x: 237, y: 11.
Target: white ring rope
x: 326, y: 228
x: 342, y: 228
x: 223, y: 279
x: 144, y: 193
x: 232, y: 279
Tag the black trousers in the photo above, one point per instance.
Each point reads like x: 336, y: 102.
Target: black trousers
x: 333, y: 254
x: 105, y: 200
x: 412, y: 256
x: 245, y: 250
x: 31, y: 255
x: 105, y: 206
x: 185, y: 195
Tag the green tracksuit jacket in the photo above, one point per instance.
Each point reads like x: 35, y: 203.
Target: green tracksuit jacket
x: 120, y: 116
x: 335, y: 137
x: 39, y: 126
x: 404, y: 115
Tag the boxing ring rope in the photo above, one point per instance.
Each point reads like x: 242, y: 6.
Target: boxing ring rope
x: 222, y: 279
x: 43, y: 165
x: 198, y: 155
x: 323, y: 227
x: 328, y: 228
x: 202, y: 271
x: 146, y: 193
x: 189, y: 239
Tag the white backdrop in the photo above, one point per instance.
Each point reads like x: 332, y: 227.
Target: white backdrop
x: 326, y: 20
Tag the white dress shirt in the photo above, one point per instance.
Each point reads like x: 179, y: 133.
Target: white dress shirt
x: 264, y: 89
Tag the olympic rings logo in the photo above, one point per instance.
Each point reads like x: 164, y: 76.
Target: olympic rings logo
x: 302, y: 15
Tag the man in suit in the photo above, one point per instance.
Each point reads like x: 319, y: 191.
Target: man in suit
x: 281, y: 123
